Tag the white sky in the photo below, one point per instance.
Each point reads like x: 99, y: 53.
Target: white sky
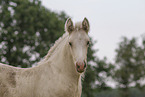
x: 109, y: 20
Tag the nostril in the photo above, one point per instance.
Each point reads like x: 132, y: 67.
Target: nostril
x: 85, y: 65
x: 78, y: 66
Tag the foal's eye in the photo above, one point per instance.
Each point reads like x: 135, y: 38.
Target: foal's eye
x: 88, y: 42
x: 70, y: 43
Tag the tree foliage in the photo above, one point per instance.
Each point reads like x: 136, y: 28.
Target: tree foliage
x: 98, y: 70
x: 27, y: 30
x: 130, y: 60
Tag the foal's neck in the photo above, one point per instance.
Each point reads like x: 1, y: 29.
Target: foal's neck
x: 61, y: 60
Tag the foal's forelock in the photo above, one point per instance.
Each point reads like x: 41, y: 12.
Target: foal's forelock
x: 78, y: 26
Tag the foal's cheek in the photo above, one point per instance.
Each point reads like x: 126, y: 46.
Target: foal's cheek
x: 72, y: 53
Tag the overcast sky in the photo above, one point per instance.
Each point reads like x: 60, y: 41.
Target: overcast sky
x: 109, y: 20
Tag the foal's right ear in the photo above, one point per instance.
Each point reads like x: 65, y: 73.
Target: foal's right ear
x: 69, y: 26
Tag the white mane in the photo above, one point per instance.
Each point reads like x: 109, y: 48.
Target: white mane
x: 54, y: 47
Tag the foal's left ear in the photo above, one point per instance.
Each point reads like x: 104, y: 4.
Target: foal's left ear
x: 85, y: 25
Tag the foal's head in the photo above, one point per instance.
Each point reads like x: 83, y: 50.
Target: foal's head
x: 78, y: 42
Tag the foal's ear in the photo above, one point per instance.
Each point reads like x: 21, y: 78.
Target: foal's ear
x: 69, y: 26
x: 85, y: 25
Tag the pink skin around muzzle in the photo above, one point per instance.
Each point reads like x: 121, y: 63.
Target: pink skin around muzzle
x: 80, y: 66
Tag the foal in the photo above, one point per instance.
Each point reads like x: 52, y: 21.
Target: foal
x: 58, y: 74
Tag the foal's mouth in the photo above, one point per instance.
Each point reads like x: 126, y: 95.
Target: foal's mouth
x: 80, y: 71
x: 81, y: 66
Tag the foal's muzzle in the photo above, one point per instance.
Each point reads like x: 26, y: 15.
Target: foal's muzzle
x: 80, y: 66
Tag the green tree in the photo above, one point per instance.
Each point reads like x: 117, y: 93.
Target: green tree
x: 95, y: 77
x: 27, y: 30
x: 94, y: 81
x: 89, y: 76
x: 103, y: 71
x: 130, y: 64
